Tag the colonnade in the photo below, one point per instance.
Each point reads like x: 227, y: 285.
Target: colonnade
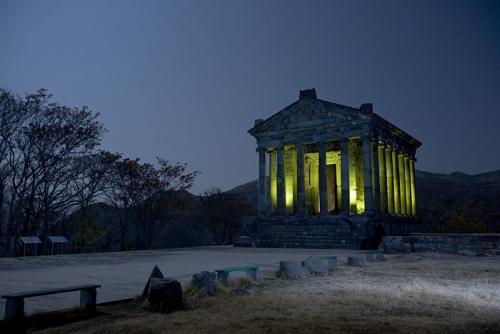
x: 342, y: 176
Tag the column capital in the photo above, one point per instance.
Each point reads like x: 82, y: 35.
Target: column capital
x: 343, y: 140
x: 261, y: 149
x: 367, y: 137
x: 298, y: 144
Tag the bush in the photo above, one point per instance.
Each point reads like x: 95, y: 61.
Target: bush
x: 462, y: 221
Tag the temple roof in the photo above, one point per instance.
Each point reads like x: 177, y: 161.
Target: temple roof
x: 311, y: 115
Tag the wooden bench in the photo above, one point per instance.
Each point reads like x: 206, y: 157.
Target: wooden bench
x: 14, y: 305
x: 332, y: 260
x: 378, y: 253
x: 223, y: 274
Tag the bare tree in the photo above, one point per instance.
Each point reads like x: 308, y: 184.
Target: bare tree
x: 222, y: 212
x: 145, y: 195
x: 159, y: 194
x: 39, y: 154
x: 123, y: 181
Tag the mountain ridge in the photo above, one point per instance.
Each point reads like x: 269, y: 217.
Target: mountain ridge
x: 438, y: 195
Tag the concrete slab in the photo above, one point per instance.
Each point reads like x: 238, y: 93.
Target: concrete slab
x: 124, y: 274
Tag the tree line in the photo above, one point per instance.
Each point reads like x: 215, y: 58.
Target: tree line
x: 51, y: 167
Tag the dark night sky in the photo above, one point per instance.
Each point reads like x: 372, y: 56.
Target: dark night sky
x: 185, y: 80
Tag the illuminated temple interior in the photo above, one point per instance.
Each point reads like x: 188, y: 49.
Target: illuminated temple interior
x: 318, y: 157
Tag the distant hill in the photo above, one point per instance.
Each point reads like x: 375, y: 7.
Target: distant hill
x: 438, y: 195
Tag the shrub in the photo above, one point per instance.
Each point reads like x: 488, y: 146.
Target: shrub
x: 462, y: 221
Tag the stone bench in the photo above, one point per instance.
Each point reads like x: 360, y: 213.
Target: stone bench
x: 14, y: 305
x: 332, y: 260
x: 370, y: 255
x: 223, y: 274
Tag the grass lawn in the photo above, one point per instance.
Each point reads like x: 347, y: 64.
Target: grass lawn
x: 414, y: 293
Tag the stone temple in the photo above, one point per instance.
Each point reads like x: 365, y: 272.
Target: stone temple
x: 330, y: 176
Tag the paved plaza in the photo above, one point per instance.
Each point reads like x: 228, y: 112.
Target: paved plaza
x: 123, y: 274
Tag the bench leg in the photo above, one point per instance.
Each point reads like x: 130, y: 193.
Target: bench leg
x: 222, y: 276
x: 369, y: 256
x: 88, y: 298
x: 14, y: 308
x: 380, y: 256
x: 252, y: 273
x: 332, y: 262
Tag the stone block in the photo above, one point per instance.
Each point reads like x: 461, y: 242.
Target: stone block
x: 292, y: 269
x: 355, y: 261
x: 165, y: 294
x: 314, y: 265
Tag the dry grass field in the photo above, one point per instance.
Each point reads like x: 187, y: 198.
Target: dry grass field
x: 415, y: 293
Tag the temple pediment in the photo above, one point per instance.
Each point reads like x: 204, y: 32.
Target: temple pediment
x: 308, y: 112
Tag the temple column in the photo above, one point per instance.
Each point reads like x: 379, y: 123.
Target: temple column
x: 323, y: 202
x: 344, y: 171
x: 402, y: 183
x: 273, y: 184
x: 356, y: 190
x: 407, y: 185
x: 300, y: 179
x: 395, y: 181
x: 289, y: 179
x: 280, y: 180
x: 262, y: 180
x: 367, y: 173
x: 383, y: 178
x: 412, y: 186
x: 375, y: 176
x: 294, y: 179
x: 390, y: 183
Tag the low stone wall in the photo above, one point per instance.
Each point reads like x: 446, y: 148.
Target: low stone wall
x: 457, y: 243
x: 305, y: 232
x: 319, y: 231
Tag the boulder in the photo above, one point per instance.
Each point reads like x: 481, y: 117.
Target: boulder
x: 155, y: 273
x: 292, y: 269
x: 314, y: 265
x: 165, y: 294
